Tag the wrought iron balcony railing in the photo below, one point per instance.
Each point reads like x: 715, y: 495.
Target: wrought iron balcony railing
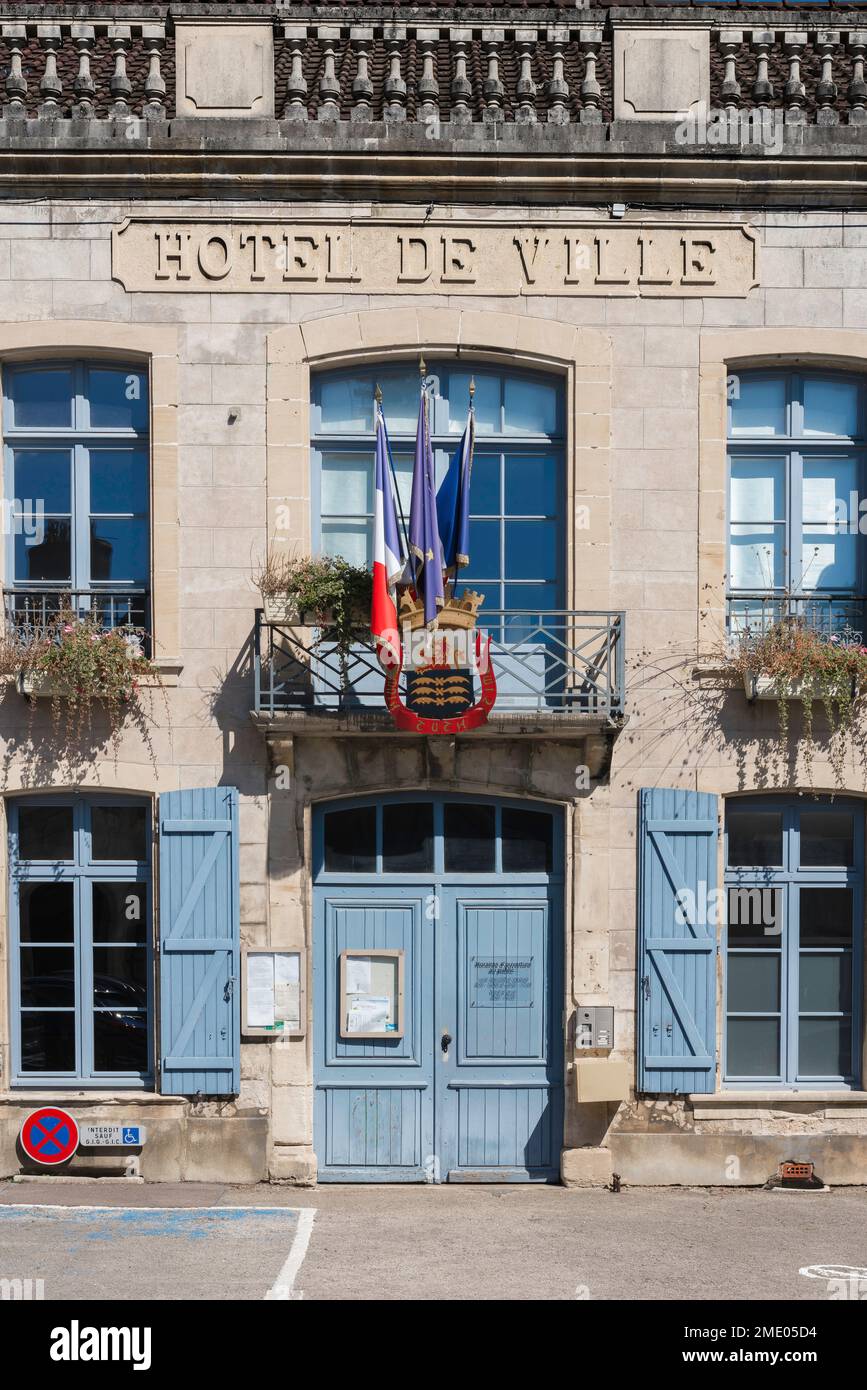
x: 554, y: 662
x: 751, y: 616
x: 31, y: 613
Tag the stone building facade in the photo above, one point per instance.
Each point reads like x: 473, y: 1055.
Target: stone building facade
x: 641, y: 232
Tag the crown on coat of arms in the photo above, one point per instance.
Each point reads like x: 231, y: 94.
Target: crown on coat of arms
x: 456, y: 613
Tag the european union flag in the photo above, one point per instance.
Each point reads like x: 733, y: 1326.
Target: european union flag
x: 453, y: 502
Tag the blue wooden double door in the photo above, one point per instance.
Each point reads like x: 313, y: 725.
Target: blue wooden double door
x: 438, y: 950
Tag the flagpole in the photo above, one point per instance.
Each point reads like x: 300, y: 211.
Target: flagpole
x: 378, y: 398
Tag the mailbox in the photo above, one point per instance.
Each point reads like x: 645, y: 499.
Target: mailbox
x: 594, y: 1028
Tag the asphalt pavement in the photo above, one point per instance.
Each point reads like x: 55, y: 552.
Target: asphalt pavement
x: 195, y: 1241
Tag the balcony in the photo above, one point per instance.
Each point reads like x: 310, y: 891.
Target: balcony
x: 31, y: 612
x: 556, y: 671
x: 751, y: 616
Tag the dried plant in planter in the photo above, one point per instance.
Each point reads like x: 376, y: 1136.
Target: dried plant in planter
x: 323, y: 591
x: 803, y: 663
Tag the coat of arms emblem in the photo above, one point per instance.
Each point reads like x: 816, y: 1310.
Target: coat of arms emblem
x: 442, y: 665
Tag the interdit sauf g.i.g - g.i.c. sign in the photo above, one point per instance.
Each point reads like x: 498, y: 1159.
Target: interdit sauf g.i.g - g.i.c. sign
x: 676, y: 259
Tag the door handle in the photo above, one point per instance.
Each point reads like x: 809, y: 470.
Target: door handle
x: 446, y: 1041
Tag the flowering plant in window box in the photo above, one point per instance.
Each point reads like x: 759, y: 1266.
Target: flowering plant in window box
x: 792, y: 660
x: 77, y: 662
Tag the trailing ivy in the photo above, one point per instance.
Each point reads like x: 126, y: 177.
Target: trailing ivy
x: 85, y: 664
x: 806, y: 664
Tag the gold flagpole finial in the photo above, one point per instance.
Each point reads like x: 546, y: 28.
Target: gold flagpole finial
x: 422, y: 369
x: 472, y: 388
x: 377, y: 394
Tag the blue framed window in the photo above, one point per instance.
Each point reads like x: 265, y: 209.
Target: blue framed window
x: 795, y: 912
x: 464, y: 837
x: 796, y: 478
x: 76, y: 464
x: 81, y: 941
x: 517, y: 495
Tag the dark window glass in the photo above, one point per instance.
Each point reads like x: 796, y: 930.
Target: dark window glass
x: 407, y: 838
x: 755, y: 837
x: 51, y: 558
x: 43, y: 476
x: 120, y: 977
x: 827, y: 838
x: 43, y: 399
x: 119, y: 912
x: 485, y: 485
x: 119, y: 832
x: 46, y: 912
x: 527, y: 841
x: 825, y: 1047
x: 350, y: 840
x: 754, y: 1047
x: 118, y: 549
x: 47, y: 1042
x: 45, y: 832
x: 754, y: 984
x: 484, y: 550
x: 469, y: 839
x: 118, y: 481
x: 47, y: 976
x: 118, y: 400
x: 531, y: 550
x: 755, y: 917
x: 826, y: 917
x: 531, y: 485
x: 825, y: 983
x: 120, y: 1041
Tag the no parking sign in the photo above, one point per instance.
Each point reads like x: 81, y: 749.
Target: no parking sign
x: 49, y: 1136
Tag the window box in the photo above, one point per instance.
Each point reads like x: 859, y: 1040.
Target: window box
x: 35, y: 686
x: 758, y: 687
x: 282, y: 608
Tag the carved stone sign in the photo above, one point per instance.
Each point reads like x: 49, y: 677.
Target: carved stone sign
x: 683, y: 260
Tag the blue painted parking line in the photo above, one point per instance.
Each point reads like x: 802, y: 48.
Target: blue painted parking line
x: 217, y: 1246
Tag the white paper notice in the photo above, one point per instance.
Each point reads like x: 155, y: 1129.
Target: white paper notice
x: 368, y: 1015
x: 358, y: 978
x: 260, y: 991
x: 287, y: 989
x: 287, y: 968
x: 287, y: 1004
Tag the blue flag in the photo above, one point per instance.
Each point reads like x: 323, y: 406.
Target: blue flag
x: 425, y: 569
x: 453, y: 502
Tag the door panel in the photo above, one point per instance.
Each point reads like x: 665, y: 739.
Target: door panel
x: 483, y: 974
x: 374, y: 1098
x: 500, y: 1083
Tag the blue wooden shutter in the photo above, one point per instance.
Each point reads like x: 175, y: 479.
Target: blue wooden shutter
x: 200, y: 942
x: 677, y: 876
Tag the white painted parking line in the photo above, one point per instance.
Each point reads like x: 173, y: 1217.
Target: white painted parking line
x: 284, y: 1288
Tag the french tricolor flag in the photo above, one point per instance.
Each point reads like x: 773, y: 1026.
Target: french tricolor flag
x: 389, y: 559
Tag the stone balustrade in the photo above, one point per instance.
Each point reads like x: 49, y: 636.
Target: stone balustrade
x: 82, y: 70
x: 599, y: 68
x: 814, y: 76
